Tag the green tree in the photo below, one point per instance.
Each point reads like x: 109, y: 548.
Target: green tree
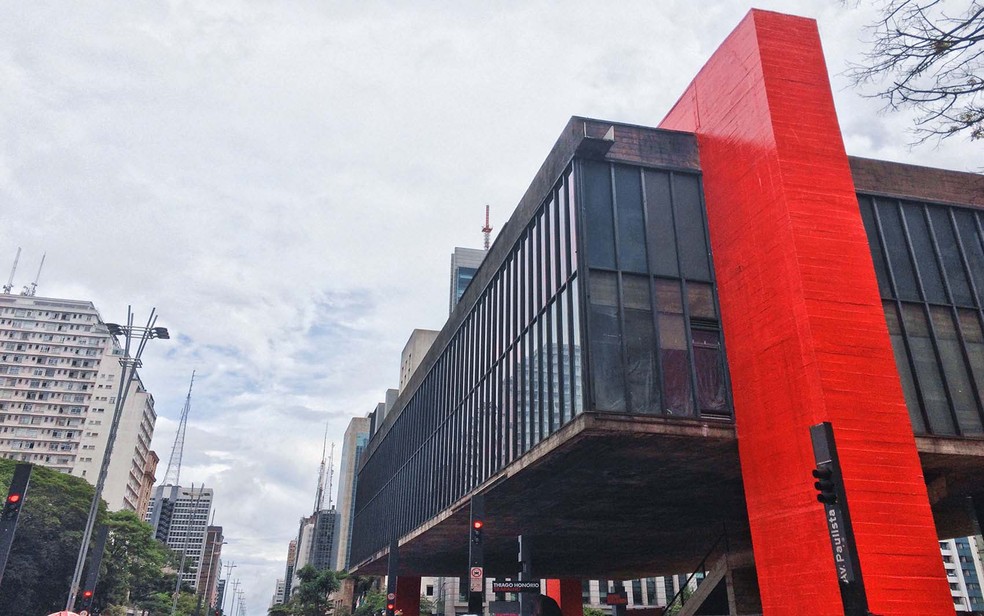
x: 592, y: 611
x: 372, y: 603
x: 49, y: 531
x: 133, y: 563
x: 926, y: 55
x: 311, y: 598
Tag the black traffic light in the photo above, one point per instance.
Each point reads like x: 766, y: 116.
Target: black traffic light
x: 826, y: 488
x: 12, y: 505
x: 86, y: 599
x: 390, y: 606
x: 11, y: 509
x: 476, y: 531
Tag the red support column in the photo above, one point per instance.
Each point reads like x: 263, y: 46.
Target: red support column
x: 408, y: 595
x: 567, y: 594
x: 804, y: 327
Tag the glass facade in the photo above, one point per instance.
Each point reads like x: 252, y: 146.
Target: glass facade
x: 655, y: 337
x: 511, y: 373
x: 929, y: 260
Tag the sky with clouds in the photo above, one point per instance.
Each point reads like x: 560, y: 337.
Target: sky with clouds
x: 285, y: 182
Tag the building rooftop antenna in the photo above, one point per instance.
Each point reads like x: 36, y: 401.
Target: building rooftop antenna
x: 177, y: 451
x: 320, y: 497
x: 10, y: 281
x: 30, y: 291
x: 487, y: 229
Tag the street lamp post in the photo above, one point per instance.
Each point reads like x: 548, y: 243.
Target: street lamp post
x: 129, y: 369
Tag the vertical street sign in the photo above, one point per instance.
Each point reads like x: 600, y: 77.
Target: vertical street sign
x: 11, y: 511
x: 831, y: 495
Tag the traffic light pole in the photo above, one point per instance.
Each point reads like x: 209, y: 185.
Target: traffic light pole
x: 831, y: 494
x: 476, y: 556
x: 11, y: 511
x: 89, y: 589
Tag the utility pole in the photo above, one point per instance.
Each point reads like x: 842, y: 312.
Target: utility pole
x: 225, y: 589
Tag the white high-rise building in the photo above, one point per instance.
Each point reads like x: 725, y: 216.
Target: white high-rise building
x: 59, y: 379
x: 179, y: 517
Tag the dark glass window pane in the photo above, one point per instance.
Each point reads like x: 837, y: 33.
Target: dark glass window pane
x: 898, y: 251
x: 927, y: 370
x: 631, y: 224
x: 556, y: 348
x: 674, y: 360
x: 577, y: 388
x: 564, y: 360
x: 571, y: 219
x: 874, y: 242
x: 536, y: 271
x: 955, y: 369
x: 905, y: 372
x: 563, y: 235
x: 709, y: 366
x: 607, y: 373
x: 700, y: 301
x: 599, y: 222
x: 662, y: 238
x: 953, y: 266
x: 967, y: 228
x: 970, y: 327
x: 922, y: 248
x: 688, y: 213
x: 640, y: 345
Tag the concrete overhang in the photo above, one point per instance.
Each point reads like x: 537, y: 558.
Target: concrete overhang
x: 609, y: 495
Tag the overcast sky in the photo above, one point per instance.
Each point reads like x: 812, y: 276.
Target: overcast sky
x: 285, y: 182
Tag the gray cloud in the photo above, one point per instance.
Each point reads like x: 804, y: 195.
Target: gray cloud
x: 285, y: 183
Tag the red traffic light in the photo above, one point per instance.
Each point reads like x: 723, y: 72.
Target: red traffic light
x: 86, y: 594
x: 477, y: 524
x: 390, y: 606
x: 13, y: 498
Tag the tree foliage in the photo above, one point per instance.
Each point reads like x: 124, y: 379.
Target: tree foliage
x: 372, y: 603
x: 312, y: 596
x: 46, y: 543
x: 927, y: 55
x: 134, y: 567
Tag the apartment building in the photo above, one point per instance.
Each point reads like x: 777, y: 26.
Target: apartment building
x: 59, y: 380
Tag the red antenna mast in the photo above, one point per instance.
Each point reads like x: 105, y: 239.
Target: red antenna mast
x: 487, y: 229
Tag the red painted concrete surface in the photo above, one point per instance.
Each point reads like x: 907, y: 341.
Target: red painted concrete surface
x: 567, y: 594
x: 407, y: 595
x: 804, y: 328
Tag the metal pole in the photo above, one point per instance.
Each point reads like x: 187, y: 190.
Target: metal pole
x: 125, y: 379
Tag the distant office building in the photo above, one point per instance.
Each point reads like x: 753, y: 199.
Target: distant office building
x: 210, y: 571
x: 59, y: 379
x: 963, y: 573
x: 148, y: 480
x: 220, y: 591
x: 289, y: 570
x: 417, y: 346
x: 464, y: 264
x: 354, y: 443
x: 316, y: 542
x: 278, y: 593
x: 179, y: 517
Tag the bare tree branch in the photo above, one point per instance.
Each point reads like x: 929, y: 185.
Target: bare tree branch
x: 928, y: 55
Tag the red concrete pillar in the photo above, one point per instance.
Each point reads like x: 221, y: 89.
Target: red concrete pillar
x: 804, y: 328
x: 408, y: 595
x: 567, y: 594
